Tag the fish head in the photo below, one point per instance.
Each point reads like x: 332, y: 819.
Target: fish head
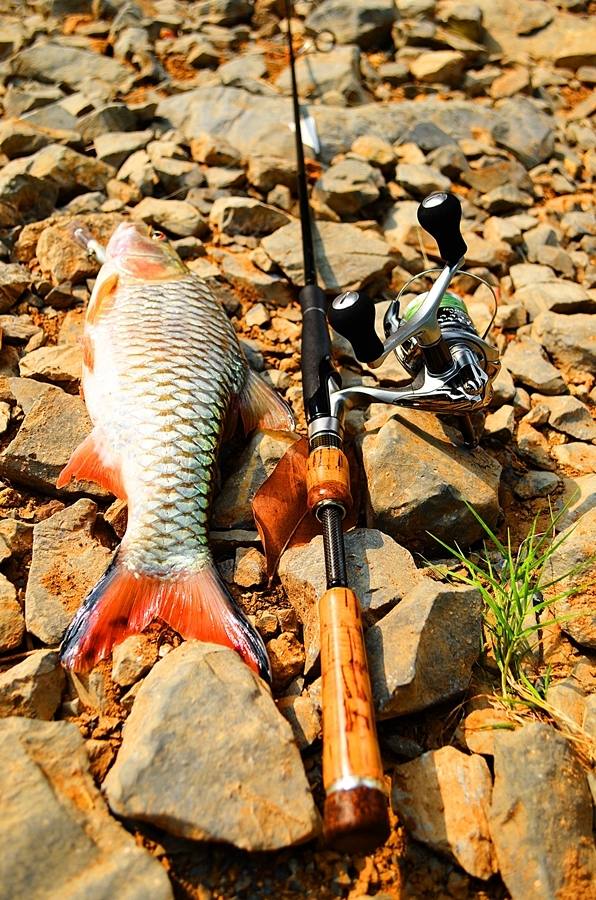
x: 137, y: 253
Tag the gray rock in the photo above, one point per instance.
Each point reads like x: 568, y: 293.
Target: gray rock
x: 68, y: 170
x: 25, y: 199
x: 419, y: 481
x: 26, y: 391
x: 232, y: 507
x: 568, y: 700
x: 500, y: 424
x: 248, y: 66
x: 527, y: 363
x: 59, y: 365
x: 57, y: 63
x: 14, y: 281
x: 569, y: 415
x: 116, y: 146
x: 176, y: 216
x: 532, y: 764
x: 54, y: 426
x: 363, y: 22
x: 214, y: 151
x: 443, y: 798
x: 243, y: 215
x: 335, y: 248
x: 316, y: 74
x: 32, y: 688
x: 68, y: 560
x: 19, y: 139
x: 380, y: 571
x: 422, y: 652
x: 243, y: 784
x: 573, y: 564
x: 349, y: 185
x: 527, y: 275
x: 533, y: 446
x: 506, y: 198
x: 420, y: 180
x: 46, y: 787
x: 558, y: 296
x: 536, y: 484
x: 112, y: 118
x: 444, y: 66
x: 12, y: 623
x: 525, y: 130
x: 570, y: 340
x: 579, y: 497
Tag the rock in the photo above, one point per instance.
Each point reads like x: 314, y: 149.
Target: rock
x: 25, y: 199
x: 347, y: 186
x: 46, y: 788
x: 576, y: 455
x: 243, y: 215
x: 175, y: 216
x: 531, y: 764
x: 536, y: 484
x: 500, y: 424
x: 61, y: 258
x: 304, y: 719
x: 444, y: 66
x: 510, y: 83
x: 12, y: 623
x: 579, y: 497
x: 334, y: 245
x: 54, y: 426
x: 573, y: 563
x: 19, y: 139
x: 337, y: 70
x: 524, y: 130
x: 420, y: 180
x: 533, y: 446
x: 111, y: 118
x: 252, y: 282
x: 569, y: 415
x: 243, y: 784
x: 363, y: 22
x: 249, y: 66
x: 568, y: 700
x: 570, y: 340
x: 32, y: 688
x: 379, y: 571
x: 418, y: 479
x: 250, y: 569
x: 558, y: 296
x: 132, y: 659
x: 375, y: 150
x: 68, y: 170
x: 15, y: 538
x: 232, y: 507
x: 527, y: 363
x: 113, y: 148
x: 481, y: 726
x: 57, y: 364
x: 26, y: 392
x: 443, y: 797
x: 67, y: 562
x: 286, y: 655
x: 422, y: 652
x: 60, y: 64
x: 14, y: 281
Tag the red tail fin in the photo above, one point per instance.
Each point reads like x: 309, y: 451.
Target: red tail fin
x: 196, y: 605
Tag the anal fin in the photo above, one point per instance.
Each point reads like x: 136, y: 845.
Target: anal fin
x: 92, y: 461
x: 262, y: 407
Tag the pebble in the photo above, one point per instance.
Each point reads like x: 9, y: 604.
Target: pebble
x: 32, y: 688
x: 14, y: 281
x: 444, y: 797
x: 250, y: 569
x: 500, y: 424
x: 286, y: 655
x: 445, y: 66
x: 244, y: 782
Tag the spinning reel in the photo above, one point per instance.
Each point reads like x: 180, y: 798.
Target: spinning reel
x: 452, y: 367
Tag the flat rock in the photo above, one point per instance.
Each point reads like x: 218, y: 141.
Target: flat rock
x: 380, y: 571
x: 132, y: 659
x: 422, y: 652
x: 529, y: 366
x: 569, y: 415
x: 419, y: 479
x: 443, y: 798
x: 50, y: 803
x: 533, y: 765
x: 347, y: 258
x: 444, y: 66
x: 349, y: 185
x: 14, y: 281
x: 337, y: 70
x: 67, y: 562
x: 12, y: 622
x: 574, y: 567
x: 176, y: 216
x: 243, y: 783
x: 54, y: 426
x: 558, y: 296
x: 66, y: 169
x: 33, y: 687
x: 569, y: 340
x: 57, y: 63
x: 536, y: 484
x: 244, y: 215
x: 420, y: 180
x: 363, y: 22
x: 525, y: 131
x: 113, y: 148
x: 576, y: 455
x: 59, y: 365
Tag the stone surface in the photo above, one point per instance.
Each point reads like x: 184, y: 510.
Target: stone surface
x: 244, y: 783
x: 420, y: 180
x: 243, y: 215
x: 569, y: 415
x: 12, y: 623
x: 33, y: 687
x: 286, y: 655
x: 176, y: 216
x: 14, y: 281
x: 59, y: 365
x: 347, y: 258
x: 443, y: 798
x: 558, y: 296
x: 363, y: 22
x: 569, y: 340
x: 576, y: 455
x: 349, y: 185
x: 68, y: 170
x: 536, y: 484
x: 422, y: 652
x: 419, y: 480
x: 337, y: 70
x: 59, y: 64
x: 528, y: 364
x: 60, y: 257
x: 304, y: 718
x: 573, y: 565
x: 539, y: 784
x: 445, y: 66
x: 132, y: 659
x: 380, y: 571
x: 67, y: 561
x: 50, y: 803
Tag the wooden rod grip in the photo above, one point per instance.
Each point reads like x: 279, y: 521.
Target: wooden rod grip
x: 356, y: 817
x: 328, y: 477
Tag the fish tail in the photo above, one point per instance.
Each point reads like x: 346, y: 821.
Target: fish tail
x: 196, y: 605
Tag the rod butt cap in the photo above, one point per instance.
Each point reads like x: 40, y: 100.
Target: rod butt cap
x: 356, y: 820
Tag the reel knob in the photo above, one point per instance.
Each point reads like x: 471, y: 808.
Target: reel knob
x: 353, y: 316
x: 440, y: 215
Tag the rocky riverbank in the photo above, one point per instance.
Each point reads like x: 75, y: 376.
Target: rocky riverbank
x: 171, y: 769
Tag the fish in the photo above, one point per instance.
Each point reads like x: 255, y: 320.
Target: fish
x: 163, y: 376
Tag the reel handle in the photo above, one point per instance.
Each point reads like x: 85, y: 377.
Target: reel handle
x: 353, y: 316
x: 440, y: 215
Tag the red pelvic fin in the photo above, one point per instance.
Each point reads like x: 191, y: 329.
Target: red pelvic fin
x: 92, y: 461
x: 195, y: 605
x: 261, y: 407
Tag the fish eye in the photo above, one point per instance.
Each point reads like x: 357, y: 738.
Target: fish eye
x: 157, y: 236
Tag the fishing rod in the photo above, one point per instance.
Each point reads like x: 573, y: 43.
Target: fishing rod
x: 356, y: 807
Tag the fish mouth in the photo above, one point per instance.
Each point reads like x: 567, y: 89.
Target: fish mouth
x: 135, y: 253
